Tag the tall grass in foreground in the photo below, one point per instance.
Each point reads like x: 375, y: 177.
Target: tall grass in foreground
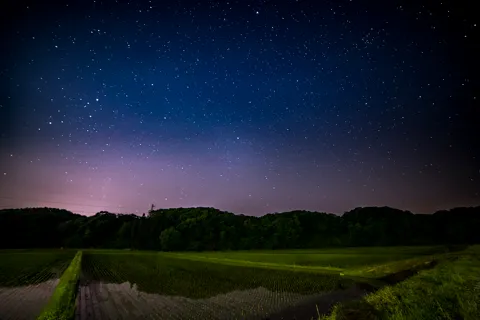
x: 449, y: 291
x: 62, y: 303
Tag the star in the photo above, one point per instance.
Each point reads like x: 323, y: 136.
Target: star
x: 315, y: 105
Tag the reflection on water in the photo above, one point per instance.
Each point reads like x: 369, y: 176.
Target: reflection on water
x: 25, y: 302
x: 201, y: 280
x: 149, y: 286
x: 98, y: 300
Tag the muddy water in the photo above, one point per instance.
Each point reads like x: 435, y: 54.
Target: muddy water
x: 25, y: 302
x: 97, y: 300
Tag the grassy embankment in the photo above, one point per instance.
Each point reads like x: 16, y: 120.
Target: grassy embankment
x: 62, y: 303
x: 451, y: 290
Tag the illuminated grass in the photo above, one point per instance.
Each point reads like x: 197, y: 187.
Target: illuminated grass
x: 449, y: 291
x: 62, y: 303
x: 351, y: 262
x: 329, y: 257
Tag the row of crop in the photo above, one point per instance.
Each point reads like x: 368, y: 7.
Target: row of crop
x: 156, y: 273
x: 25, y: 268
x: 184, y: 288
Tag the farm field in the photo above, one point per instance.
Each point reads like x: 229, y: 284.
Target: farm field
x: 28, y: 279
x: 349, y: 261
x: 287, y: 284
x: 233, y: 285
x: 128, y: 286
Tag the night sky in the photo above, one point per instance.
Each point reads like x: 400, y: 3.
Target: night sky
x: 246, y: 106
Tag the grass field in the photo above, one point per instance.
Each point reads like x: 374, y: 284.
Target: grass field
x: 335, y: 258
x: 372, y: 262
x: 122, y: 284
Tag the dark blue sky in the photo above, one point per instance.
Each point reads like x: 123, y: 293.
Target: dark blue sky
x: 247, y: 106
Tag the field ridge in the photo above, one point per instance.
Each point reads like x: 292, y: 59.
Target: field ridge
x: 62, y: 303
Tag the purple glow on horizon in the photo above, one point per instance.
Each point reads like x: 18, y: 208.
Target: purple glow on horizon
x: 308, y: 105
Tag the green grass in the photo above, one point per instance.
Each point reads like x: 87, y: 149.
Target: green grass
x: 451, y: 290
x: 25, y: 267
x: 62, y: 303
x: 165, y: 274
x: 370, y: 262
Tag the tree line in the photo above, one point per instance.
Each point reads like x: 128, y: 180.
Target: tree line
x: 196, y: 229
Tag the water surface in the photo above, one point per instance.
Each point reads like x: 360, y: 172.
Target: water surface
x: 98, y: 300
x: 25, y: 302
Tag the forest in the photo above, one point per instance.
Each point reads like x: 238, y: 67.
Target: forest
x: 197, y: 229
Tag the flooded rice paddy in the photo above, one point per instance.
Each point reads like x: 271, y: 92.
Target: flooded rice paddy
x: 156, y: 287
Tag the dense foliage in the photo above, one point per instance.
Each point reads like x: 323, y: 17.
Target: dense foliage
x: 210, y: 229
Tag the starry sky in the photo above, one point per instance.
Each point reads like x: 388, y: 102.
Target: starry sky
x: 247, y: 106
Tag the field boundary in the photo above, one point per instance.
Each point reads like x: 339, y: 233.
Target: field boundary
x: 62, y: 303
